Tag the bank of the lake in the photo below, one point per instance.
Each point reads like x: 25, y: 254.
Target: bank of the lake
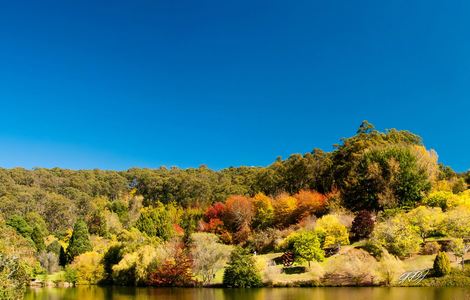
x: 320, y: 293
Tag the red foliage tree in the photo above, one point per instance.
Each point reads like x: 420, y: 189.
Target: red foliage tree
x: 362, y: 225
x: 216, y: 211
x: 175, y: 271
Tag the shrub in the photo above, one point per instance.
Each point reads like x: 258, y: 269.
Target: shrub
x: 441, y: 265
x: 264, y: 241
x: 372, y: 248
x: 430, y: 248
x: 241, y: 270
x: 294, y: 270
x: 390, y: 268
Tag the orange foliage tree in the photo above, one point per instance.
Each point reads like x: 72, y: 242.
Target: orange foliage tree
x: 174, y: 271
x: 239, y: 212
x: 309, y: 203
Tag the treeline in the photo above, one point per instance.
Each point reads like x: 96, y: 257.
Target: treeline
x: 377, y: 172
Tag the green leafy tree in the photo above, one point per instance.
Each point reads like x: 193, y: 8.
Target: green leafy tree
x: 397, y: 236
x: 155, y: 221
x: 20, y: 225
x: 112, y: 257
x: 425, y: 220
x: 71, y: 275
x: 305, y: 245
x: 241, y: 270
x: 54, y: 247
x: 441, y: 265
x: 38, y: 238
x: 459, y: 248
x: 79, y: 242
x: 457, y: 222
x: 376, y: 170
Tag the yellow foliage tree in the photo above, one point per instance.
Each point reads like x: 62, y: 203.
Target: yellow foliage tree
x: 331, y: 231
x: 88, y: 268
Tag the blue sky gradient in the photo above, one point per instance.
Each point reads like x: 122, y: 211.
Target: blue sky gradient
x: 118, y: 84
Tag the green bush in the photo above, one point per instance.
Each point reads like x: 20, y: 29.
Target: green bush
x: 372, y: 248
x: 441, y: 265
x: 456, y: 278
x: 241, y: 270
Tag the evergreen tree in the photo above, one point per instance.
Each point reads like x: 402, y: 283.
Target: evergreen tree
x: 79, y: 242
x: 155, y: 221
x: 62, y: 257
x: 441, y: 264
x: 241, y: 270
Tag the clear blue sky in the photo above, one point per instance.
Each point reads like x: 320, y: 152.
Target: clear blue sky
x: 117, y: 84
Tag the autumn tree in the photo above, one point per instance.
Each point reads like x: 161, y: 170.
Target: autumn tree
x: 362, y: 225
x: 238, y: 212
x: 174, y: 271
x: 309, y: 203
x: 88, y: 268
x: 284, y: 208
x: 263, y: 211
x: 331, y: 232
x: 212, y: 219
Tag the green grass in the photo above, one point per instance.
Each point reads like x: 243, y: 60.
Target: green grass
x: 418, y: 262
x: 57, y: 276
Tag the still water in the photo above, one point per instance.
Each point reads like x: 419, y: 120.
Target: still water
x: 120, y: 293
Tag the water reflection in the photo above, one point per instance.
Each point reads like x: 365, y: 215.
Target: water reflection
x: 126, y: 293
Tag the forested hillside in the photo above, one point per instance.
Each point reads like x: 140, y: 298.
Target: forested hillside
x: 147, y: 226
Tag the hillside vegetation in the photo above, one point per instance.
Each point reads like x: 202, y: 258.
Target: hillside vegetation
x: 377, y: 205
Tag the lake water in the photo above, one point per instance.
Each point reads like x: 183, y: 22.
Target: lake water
x: 125, y: 293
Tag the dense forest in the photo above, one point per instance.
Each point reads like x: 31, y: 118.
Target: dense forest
x: 377, y: 199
